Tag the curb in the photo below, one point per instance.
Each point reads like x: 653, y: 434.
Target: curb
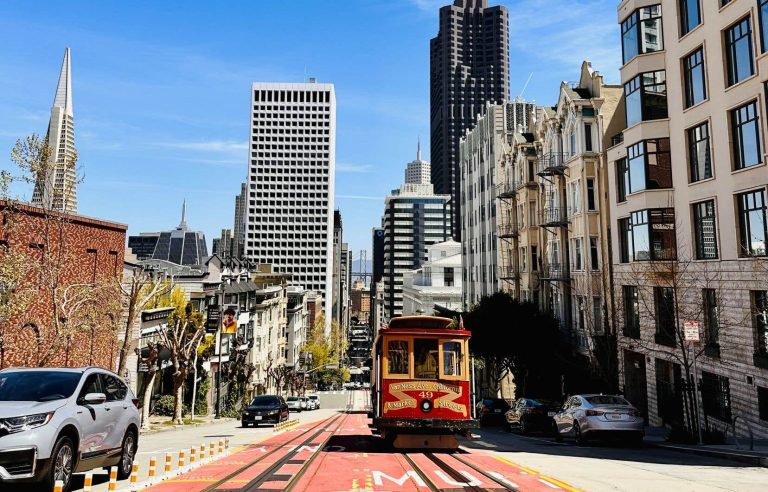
x: 166, y: 428
x: 285, y: 425
x: 755, y: 460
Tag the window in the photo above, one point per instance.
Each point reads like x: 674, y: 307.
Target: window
x: 690, y: 16
x: 448, y: 277
x: 762, y: 403
x: 738, y: 51
x: 641, y: 32
x: 664, y: 303
x: 91, y: 385
x: 763, y: 25
x: 597, y: 315
x: 574, y: 196
x: 716, y: 396
x: 594, y: 262
x: 625, y: 240
x: 653, y: 234
x: 425, y: 358
x: 745, y: 132
x: 622, y: 180
x: 397, y: 357
x: 699, y: 157
x: 705, y: 230
x: 753, y: 227
x: 631, y: 312
x: 711, y: 317
x: 693, y: 73
x: 760, y: 321
x: 534, y: 259
x: 453, y: 359
x: 113, y: 388
x: 576, y: 258
x: 591, y: 194
x: 648, y: 167
x: 587, y: 137
x: 573, y: 142
x: 646, y: 97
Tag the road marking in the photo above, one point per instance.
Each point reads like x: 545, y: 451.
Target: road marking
x: 550, y: 485
x: 559, y: 483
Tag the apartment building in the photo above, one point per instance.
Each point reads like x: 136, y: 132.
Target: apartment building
x: 687, y: 182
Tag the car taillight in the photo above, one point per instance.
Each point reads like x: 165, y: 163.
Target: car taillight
x: 594, y: 413
x: 135, y: 402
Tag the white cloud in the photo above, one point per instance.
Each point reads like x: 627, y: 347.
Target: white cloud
x: 223, y: 146
x: 345, y: 167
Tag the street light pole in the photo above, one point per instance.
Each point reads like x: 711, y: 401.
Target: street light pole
x: 218, y: 369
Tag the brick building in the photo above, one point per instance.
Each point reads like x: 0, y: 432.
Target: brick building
x: 69, y: 292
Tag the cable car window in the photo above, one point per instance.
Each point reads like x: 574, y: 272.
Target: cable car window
x: 425, y: 358
x: 452, y: 358
x: 397, y: 356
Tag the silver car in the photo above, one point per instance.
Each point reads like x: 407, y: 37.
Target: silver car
x: 56, y: 422
x: 593, y: 416
x: 316, y: 401
x: 296, y: 403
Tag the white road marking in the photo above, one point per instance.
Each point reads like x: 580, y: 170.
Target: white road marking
x: 550, y: 485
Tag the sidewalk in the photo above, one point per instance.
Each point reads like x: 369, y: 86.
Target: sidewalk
x: 758, y: 456
x: 163, y: 424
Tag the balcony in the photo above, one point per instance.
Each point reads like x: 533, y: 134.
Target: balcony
x: 554, y: 217
x: 508, y: 273
x: 552, y: 164
x: 507, y: 189
x: 507, y: 231
x: 556, y: 272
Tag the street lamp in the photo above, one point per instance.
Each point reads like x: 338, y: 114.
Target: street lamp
x: 220, y: 302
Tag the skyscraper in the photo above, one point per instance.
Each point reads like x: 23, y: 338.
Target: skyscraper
x: 181, y: 245
x: 417, y: 172
x: 238, y: 233
x: 57, y: 189
x: 469, y: 66
x: 289, y: 212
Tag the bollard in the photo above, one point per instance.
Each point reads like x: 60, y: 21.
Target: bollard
x: 88, y: 482
x: 226, y: 446
x: 202, y: 452
x: 211, y: 449
x: 152, y: 465
x: 192, y: 455
x: 112, y: 478
x: 182, y: 462
x: 168, y: 459
x: 221, y: 446
x: 58, y: 486
x: 134, y: 473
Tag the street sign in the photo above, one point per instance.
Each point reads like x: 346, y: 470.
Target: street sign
x: 691, y: 330
x: 212, y: 322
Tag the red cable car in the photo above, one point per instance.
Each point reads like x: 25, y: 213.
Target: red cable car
x: 421, y: 391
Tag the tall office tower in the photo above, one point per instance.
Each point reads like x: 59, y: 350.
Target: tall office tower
x: 338, y: 237
x: 414, y: 218
x: 223, y: 245
x: 57, y: 190
x: 181, y: 245
x: 291, y: 178
x: 238, y: 233
x: 377, y: 270
x: 417, y: 172
x: 519, y: 115
x: 469, y: 66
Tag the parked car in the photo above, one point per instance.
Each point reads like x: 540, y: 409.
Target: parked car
x: 597, y: 416
x: 531, y: 414
x: 316, y: 401
x: 296, y: 403
x: 310, y: 403
x: 265, y: 408
x: 490, y: 411
x: 56, y: 422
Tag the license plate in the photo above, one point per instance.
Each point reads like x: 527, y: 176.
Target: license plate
x: 551, y: 414
x: 614, y: 416
x: 498, y: 410
x: 257, y: 417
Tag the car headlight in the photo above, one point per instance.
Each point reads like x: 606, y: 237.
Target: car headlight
x: 20, y: 424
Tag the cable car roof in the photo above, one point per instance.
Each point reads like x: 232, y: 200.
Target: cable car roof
x: 422, y: 324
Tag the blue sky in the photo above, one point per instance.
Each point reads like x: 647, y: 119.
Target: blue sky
x: 161, y: 90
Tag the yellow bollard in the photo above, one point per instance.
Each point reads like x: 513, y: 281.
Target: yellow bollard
x: 192, y: 457
x: 182, y: 462
x: 168, y: 459
x: 211, y: 449
x: 152, y: 465
x: 58, y: 486
x: 112, y: 478
x: 221, y: 446
x: 134, y: 473
x: 88, y: 482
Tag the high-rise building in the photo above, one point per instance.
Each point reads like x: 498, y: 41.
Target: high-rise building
x: 223, y: 245
x: 291, y: 178
x: 377, y: 270
x: 469, y: 66
x: 414, y: 218
x: 338, y: 237
x: 57, y: 188
x: 180, y: 246
x: 238, y: 233
x: 417, y: 172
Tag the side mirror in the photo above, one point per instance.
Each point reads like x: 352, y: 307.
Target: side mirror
x: 94, y: 398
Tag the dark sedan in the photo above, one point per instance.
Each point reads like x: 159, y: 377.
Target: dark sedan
x: 490, y: 411
x: 265, y: 408
x: 532, y: 414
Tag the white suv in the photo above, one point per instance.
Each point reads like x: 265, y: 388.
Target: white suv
x: 55, y: 422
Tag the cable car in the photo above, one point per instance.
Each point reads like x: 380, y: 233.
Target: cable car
x: 421, y: 383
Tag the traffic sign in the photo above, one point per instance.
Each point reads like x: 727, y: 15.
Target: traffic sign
x: 691, y: 331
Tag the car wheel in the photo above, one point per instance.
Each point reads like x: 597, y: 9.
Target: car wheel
x: 62, y: 463
x: 524, y: 430
x: 556, y: 432
x: 127, y: 455
x: 580, y: 440
x: 244, y: 423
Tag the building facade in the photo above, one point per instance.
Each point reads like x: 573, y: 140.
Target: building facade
x: 238, y: 232
x: 181, y: 246
x: 690, y: 238
x: 291, y: 178
x: 437, y: 283
x: 469, y: 66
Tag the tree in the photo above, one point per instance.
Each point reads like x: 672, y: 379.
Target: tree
x: 15, y: 293
x: 150, y: 362
x: 325, y: 351
x: 181, y: 337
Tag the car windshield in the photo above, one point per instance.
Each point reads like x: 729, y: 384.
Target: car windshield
x: 37, y: 385
x: 292, y: 398
x: 606, y: 400
x: 541, y: 403
x: 313, y: 398
x: 264, y: 400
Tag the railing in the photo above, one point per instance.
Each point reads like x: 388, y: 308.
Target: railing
x: 554, y: 216
x: 552, y: 163
x: 508, y: 273
x: 736, y: 437
x: 506, y: 189
x: 507, y: 230
x: 555, y: 271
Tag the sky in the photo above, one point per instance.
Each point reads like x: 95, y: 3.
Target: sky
x: 161, y: 91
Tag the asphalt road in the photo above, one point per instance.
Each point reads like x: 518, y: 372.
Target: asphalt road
x: 611, y: 467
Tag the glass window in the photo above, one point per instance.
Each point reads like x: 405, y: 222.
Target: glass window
x: 587, y: 137
x: 753, y: 228
x: 425, y: 358
x: 745, y: 131
x: 760, y: 321
x: 631, y: 311
x: 664, y: 301
x: 591, y: 194
x: 453, y: 359
x: 534, y: 259
x: 594, y: 262
x: 705, y: 230
x: 763, y: 25
x: 711, y: 317
x: 38, y: 386
x: 625, y: 240
x: 716, y: 396
x: 738, y: 51
x: 622, y: 180
x: 653, y: 234
x: 576, y: 254
x: 650, y: 166
x: 113, y: 387
x: 690, y: 15
x: 91, y: 385
x: 397, y: 357
x: 699, y: 156
x: 641, y: 32
x: 646, y: 97
x: 640, y: 236
x: 693, y: 72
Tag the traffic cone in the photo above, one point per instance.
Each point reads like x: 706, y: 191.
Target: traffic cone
x: 168, y: 459
x: 88, y: 482
x: 134, y: 473
x: 182, y: 462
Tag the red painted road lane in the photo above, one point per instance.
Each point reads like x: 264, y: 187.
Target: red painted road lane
x: 514, y: 475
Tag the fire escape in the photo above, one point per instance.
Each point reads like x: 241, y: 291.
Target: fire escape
x: 509, y: 270
x: 554, y: 215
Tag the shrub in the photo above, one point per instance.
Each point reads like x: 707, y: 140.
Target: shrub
x: 164, y: 406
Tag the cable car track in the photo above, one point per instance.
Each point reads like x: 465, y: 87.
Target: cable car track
x: 453, y: 474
